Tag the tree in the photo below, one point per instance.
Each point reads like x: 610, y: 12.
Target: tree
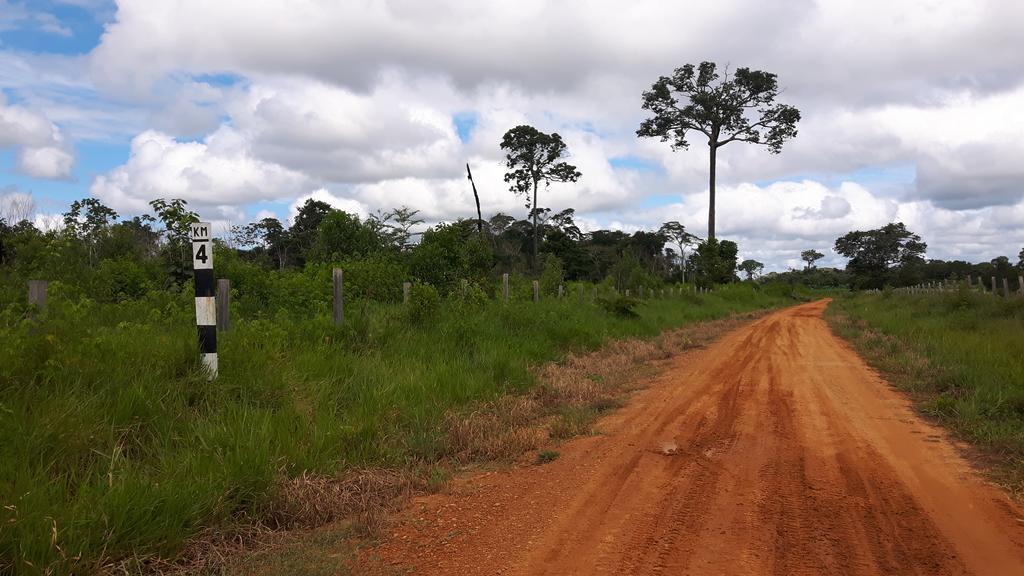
x: 714, y: 262
x: 342, y: 235
x: 882, y: 256
x: 810, y: 257
x: 305, y: 227
x: 176, y: 218
x: 268, y: 234
x: 751, y: 268
x: 398, y: 225
x: 725, y: 108
x: 677, y: 233
x: 532, y: 157
x: 89, y: 221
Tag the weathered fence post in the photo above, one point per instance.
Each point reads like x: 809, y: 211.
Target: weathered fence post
x: 1006, y: 287
x: 338, y: 278
x: 206, y: 305
x: 1020, y: 285
x: 223, y: 304
x: 994, y: 291
x: 37, y: 293
x: 627, y: 292
x: 504, y: 286
x: 536, y: 291
x: 406, y: 287
x: 582, y: 293
x: 561, y: 291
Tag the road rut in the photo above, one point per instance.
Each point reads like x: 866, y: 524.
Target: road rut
x: 775, y: 450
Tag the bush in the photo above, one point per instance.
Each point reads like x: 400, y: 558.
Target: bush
x: 120, y: 279
x: 621, y: 306
x: 423, y: 302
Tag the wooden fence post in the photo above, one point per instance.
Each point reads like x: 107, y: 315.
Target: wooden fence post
x: 37, y: 293
x: 504, y: 286
x: 994, y: 291
x: 1020, y: 284
x: 338, y: 277
x: 582, y: 293
x: 406, y: 288
x: 627, y: 292
x: 223, y: 304
x: 1006, y: 287
x: 536, y: 291
x: 561, y: 291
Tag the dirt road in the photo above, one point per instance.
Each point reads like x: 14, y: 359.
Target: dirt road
x: 774, y: 451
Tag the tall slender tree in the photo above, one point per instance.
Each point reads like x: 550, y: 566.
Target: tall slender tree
x: 737, y: 107
x: 533, y: 157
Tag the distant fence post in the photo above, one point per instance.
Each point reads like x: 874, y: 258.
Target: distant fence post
x: 223, y: 304
x: 37, y: 293
x: 406, y: 287
x: 561, y: 291
x: 994, y: 291
x: 536, y: 291
x: 504, y: 286
x: 206, y: 306
x: 582, y: 293
x: 1006, y: 287
x: 627, y: 292
x: 1020, y: 284
x: 338, y: 278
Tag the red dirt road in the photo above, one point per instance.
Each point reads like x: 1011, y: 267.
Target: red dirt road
x: 791, y: 457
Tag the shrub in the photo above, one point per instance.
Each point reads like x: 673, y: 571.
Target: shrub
x: 621, y: 306
x: 423, y: 302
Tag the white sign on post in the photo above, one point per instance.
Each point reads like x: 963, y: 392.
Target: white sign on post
x: 202, y: 246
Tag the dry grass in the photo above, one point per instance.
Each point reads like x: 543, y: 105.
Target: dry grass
x: 572, y: 394
x: 364, y: 498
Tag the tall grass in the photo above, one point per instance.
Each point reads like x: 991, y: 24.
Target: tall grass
x: 113, y: 445
x: 960, y: 354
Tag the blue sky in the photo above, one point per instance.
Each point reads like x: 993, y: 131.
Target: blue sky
x: 250, y: 107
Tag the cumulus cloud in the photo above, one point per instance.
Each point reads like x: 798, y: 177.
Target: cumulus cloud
x: 220, y: 171
x: 40, y: 145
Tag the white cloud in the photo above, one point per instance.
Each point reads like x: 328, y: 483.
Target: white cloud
x: 39, y: 143
x: 49, y: 162
x: 217, y: 172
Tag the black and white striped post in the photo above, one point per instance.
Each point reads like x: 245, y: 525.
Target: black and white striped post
x: 206, y: 301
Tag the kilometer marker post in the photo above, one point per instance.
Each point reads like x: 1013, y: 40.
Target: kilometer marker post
x: 206, y: 291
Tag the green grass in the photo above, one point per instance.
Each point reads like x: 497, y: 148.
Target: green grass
x: 959, y: 354
x: 113, y: 445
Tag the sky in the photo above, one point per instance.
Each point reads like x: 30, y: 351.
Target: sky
x: 912, y: 111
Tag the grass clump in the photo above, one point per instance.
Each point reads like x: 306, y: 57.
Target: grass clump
x: 547, y: 456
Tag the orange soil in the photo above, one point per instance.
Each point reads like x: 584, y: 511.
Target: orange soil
x: 773, y: 451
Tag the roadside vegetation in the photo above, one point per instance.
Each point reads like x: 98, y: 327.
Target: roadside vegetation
x: 115, y: 446
x: 958, y: 354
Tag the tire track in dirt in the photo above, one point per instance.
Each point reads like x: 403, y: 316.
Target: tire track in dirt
x: 793, y: 458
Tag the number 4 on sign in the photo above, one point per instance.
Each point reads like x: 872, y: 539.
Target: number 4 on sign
x: 201, y: 254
